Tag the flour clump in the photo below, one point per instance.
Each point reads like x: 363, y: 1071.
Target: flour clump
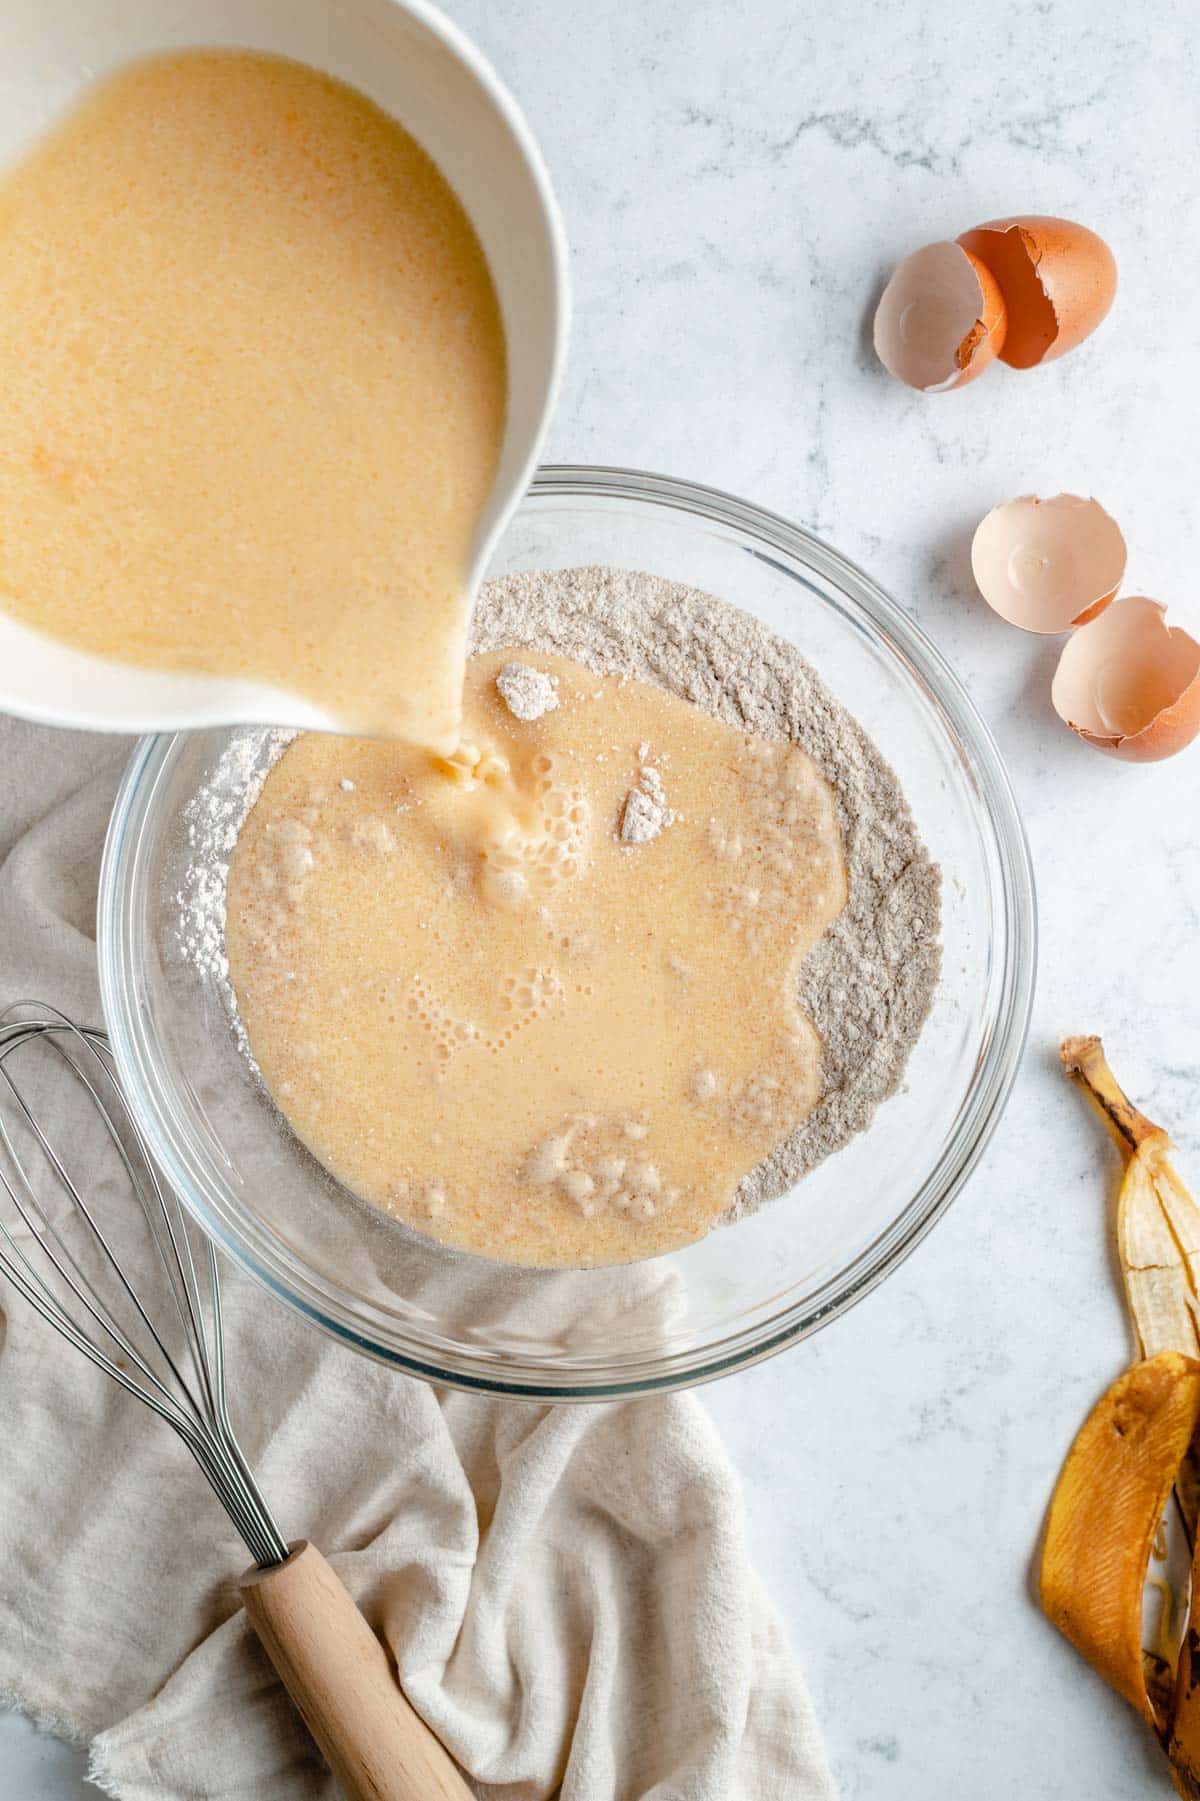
x: 645, y: 812
x: 528, y: 693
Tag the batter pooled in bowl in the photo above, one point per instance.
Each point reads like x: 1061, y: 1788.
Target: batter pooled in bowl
x: 254, y: 389
x: 539, y: 999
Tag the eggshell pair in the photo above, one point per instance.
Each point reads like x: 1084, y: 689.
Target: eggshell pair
x: 1127, y: 682
x: 1024, y: 289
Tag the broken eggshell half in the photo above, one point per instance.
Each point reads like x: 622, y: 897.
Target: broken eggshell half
x: 1046, y: 565
x: 1058, y: 280
x: 940, y: 320
x: 1129, y: 683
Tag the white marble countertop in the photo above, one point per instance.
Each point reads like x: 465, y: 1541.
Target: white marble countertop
x: 737, y: 181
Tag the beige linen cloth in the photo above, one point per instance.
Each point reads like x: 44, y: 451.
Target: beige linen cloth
x: 565, y: 1591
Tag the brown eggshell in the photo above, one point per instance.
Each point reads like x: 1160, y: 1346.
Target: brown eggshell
x: 1058, y: 280
x: 1046, y: 565
x: 940, y: 320
x: 1129, y: 683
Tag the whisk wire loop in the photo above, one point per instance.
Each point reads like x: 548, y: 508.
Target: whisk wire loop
x: 117, y: 1331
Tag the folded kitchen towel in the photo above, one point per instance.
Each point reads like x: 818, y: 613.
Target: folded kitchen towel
x: 565, y: 1590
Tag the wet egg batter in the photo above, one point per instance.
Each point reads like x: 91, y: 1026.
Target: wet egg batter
x: 254, y: 390
x: 538, y: 999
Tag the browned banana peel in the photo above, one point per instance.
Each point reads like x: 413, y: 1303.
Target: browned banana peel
x: 1158, y: 1223
x: 1139, y: 1441
x: 1104, y: 1516
x: 1183, y: 1740
x: 1158, y: 1233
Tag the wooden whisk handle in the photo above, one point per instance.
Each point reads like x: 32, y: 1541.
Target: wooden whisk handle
x: 341, y: 1679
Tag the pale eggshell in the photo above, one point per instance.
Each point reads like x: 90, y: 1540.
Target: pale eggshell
x: 940, y: 320
x: 1058, y: 280
x: 1129, y: 683
x: 1046, y: 565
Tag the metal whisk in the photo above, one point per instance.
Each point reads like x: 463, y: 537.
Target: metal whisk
x: 118, y: 1334
x: 332, y: 1664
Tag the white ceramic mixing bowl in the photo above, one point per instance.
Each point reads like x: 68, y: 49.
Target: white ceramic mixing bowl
x: 416, y: 65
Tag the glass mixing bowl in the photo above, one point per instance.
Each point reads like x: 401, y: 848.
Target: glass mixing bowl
x: 743, y: 1292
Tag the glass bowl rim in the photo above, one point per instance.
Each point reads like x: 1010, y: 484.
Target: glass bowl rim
x: 991, y: 1083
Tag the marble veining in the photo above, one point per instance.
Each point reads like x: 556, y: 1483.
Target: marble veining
x: 738, y: 181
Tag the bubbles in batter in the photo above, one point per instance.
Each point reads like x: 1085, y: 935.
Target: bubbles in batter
x: 542, y: 1039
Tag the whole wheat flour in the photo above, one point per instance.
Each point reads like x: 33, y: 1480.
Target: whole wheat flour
x: 867, y: 986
